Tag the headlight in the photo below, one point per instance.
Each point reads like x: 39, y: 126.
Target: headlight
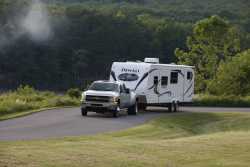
x: 114, y: 99
x: 83, y: 97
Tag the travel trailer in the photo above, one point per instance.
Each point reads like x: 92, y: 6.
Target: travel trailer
x: 156, y: 84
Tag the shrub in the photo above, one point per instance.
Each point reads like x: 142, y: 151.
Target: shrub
x: 25, y: 90
x: 233, y: 77
x: 26, y: 98
x: 222, y: 101
x: 74, y: 93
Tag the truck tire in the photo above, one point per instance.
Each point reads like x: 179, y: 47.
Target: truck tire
x: 116, y: 112
x: 84, y: 112
x: 133, y: 110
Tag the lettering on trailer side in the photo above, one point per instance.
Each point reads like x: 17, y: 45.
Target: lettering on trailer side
x: 130, y: 70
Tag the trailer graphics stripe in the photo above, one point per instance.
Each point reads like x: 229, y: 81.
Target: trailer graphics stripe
x: 188, y: 89
x: 144, y: 77
x: 113, y: 75
x: 167, y: 92
x: 155, y: 86
x: 179, y: 71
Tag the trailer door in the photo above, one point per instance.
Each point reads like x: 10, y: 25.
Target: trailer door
x: 165, y: 93
x: 153, y: 87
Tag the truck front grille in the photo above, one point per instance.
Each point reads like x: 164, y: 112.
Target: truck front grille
x: 97, y: 98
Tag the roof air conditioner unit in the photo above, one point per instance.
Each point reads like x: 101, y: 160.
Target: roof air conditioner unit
x: 152, y: 60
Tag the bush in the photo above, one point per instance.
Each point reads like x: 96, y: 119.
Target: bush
x: 25, y: 90
x: 233, y: 77
x: 74, y: 93
x: 26, y: 98
x: 222, y: 101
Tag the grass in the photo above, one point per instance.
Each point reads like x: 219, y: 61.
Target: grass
x: 221, y: 101
x: 25, y: 100
x: 176, y: 140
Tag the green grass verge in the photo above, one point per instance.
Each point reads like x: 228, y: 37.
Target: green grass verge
x: 26, y: 100
x: 175, y: 140
x: 221, y: 101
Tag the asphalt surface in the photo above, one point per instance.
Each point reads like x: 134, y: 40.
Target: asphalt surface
x: 69, y: 122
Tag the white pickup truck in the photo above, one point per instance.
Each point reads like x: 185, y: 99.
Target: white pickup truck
x: 108, y: 96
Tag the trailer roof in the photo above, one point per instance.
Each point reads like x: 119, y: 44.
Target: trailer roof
x: 173, y: 65
x: 149, y: 64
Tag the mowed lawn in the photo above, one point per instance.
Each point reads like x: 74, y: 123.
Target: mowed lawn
x: 176, y: 140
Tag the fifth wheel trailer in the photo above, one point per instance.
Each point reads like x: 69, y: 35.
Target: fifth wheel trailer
x: 156, y: 84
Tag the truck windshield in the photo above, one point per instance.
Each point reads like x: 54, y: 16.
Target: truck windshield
x: 104, y: 87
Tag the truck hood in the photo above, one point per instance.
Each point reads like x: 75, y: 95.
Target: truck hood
x: 101, y: 93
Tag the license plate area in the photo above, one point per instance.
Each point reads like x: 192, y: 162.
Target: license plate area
x: 96, y: 105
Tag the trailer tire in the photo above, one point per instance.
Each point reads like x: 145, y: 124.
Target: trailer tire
x: 170, y: 107
x: 177, y: 107
x: 142, y: 106
x: 84, y: 112
x: 133, y: 110
x: 173, y: 107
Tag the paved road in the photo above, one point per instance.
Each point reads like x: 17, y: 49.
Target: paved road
x: 69, y: 122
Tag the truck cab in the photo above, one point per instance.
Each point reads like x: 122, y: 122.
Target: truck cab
x: 108, y: 96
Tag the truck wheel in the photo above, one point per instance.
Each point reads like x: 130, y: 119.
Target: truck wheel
x: 84, y: 112
x: 133, y: 110
x: 116, y: 112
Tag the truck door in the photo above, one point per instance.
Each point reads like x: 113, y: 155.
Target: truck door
x: 153, y: 88
x: 124, y: 97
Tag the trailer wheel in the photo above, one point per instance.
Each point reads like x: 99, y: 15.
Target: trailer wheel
x: 173, y: 107
x: 170, y: 107
x: 142, y: 106
x: 84, y: 112
x: 133, y: 110
x: 177, y: 107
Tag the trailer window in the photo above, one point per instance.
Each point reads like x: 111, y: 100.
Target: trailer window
x: 128, y: 77
x: 189, y: 75
x: 164, y: 81
x: 174, y: 78
x: 155, y: 80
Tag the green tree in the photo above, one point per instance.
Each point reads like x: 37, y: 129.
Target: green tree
x: 213, y: 41
x: 233, y: 76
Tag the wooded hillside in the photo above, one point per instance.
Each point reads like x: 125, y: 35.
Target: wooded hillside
x: 85, y: 37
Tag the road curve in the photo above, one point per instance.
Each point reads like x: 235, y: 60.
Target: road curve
x: 69, y: 122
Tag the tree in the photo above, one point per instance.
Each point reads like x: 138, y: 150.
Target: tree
x: 213, y: 41
x: 233, y: 76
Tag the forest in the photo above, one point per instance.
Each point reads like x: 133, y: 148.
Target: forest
x: 75, y: 41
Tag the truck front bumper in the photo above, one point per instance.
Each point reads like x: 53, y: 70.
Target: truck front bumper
x: 99, y: 107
